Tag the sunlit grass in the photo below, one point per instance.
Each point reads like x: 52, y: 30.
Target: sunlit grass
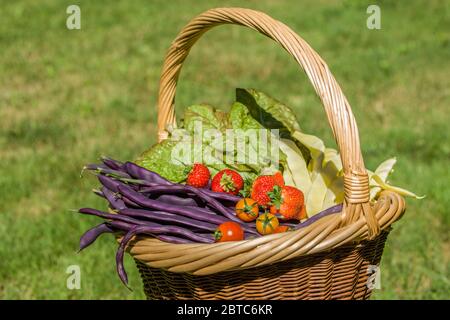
x: 68, y: 97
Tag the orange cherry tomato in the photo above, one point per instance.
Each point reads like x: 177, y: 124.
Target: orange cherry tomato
x: 281, y: 229
x: 229, y: 231
x: 247, y: 209
x: 266, y: 223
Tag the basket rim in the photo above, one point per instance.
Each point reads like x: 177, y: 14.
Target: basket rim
x: 320, y: 236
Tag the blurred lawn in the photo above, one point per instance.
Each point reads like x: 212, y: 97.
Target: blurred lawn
x: 69, y: 96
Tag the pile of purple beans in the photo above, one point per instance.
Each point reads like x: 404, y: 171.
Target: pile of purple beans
x: 143, y: 202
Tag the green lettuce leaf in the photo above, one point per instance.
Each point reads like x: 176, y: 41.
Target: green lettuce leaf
x: 158, y: 159
x: 209, y: 117
x: 303, y: 159
x: 270, y: 113
x: 240, y: 118
x: 170, y: 157
x: 240, y: 121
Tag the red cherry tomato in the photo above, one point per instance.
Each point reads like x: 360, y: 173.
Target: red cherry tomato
x: 229, y: 231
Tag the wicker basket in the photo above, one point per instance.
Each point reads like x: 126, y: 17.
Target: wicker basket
x: 328, y: 259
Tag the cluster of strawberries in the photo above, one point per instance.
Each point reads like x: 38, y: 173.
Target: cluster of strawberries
x: 267, y: 199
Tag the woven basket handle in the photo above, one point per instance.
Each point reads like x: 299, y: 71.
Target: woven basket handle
x: 337, y: 108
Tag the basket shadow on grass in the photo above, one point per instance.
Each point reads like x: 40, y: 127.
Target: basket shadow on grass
x: 325, y: 275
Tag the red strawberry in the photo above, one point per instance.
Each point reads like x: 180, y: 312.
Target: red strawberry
x: 278, y: 177
x: 288, y: 203
x: 199, y: 176
x: 263, y: 185
x: 228, y: 181
x: 303, y: 215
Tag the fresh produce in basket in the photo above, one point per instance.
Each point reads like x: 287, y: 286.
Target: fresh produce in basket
x: 228, y: 181
x: 262, y: 188
x: 287, y: 202
x: 267, y: 223
x: 229, y: 231
x: 277, y: 180
x: 198, y: 176
x: 247, y: 209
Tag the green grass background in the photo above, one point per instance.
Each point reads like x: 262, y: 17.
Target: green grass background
x: 67, y: 97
